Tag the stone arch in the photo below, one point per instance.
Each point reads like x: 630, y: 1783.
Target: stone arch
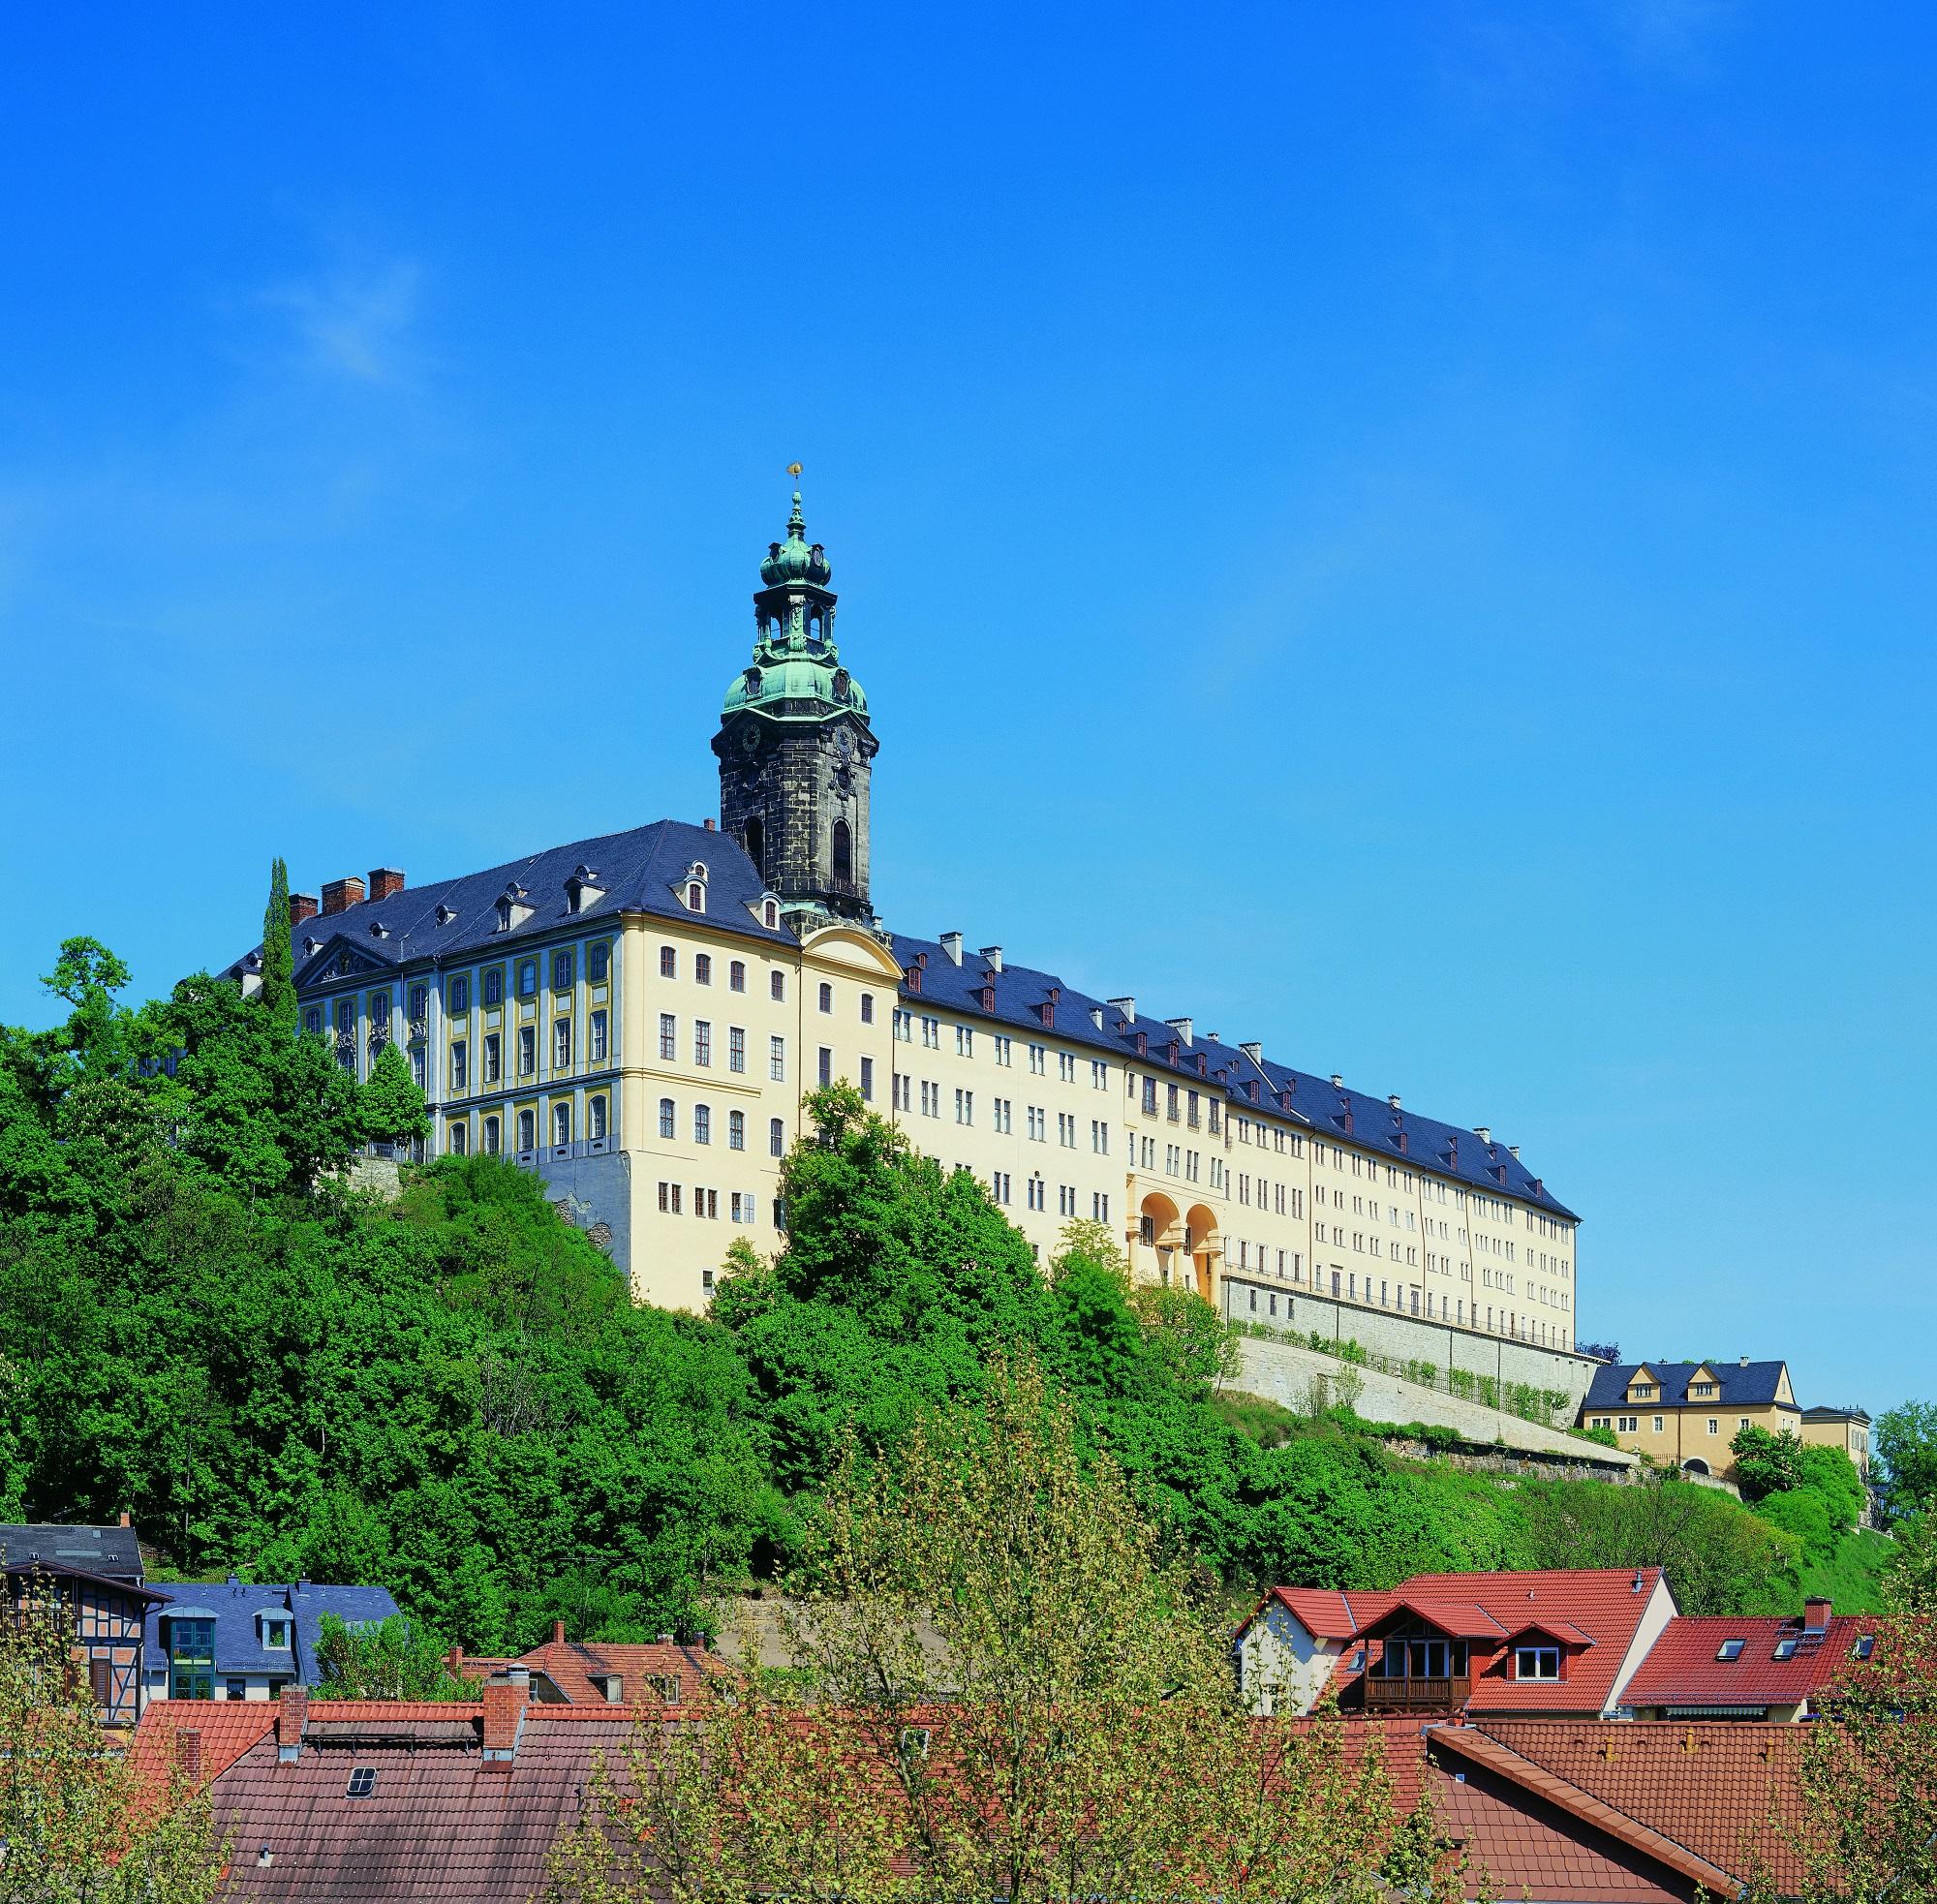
x: 1204, y: 1243
x: 1157, y: 1247
x: 1695, y: 1464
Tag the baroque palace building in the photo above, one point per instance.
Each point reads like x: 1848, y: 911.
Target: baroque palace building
x: 640, y: 1016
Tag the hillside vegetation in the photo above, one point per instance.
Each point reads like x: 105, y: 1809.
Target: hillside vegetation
x: 452, y: 1394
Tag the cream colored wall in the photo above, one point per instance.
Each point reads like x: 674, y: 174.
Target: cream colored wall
x: 1852, y: 1437
x: 1660, y: 1609
x: 1282, y: 1668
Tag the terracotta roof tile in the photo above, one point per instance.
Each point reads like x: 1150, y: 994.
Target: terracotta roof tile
x: 1682, y: 1667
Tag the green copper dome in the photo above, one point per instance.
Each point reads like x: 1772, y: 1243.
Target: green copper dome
x: 794, y: 560
x: 796, y: 673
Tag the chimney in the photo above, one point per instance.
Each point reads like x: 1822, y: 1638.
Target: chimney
x: 1816, y: 1614
x: 1745, y: 1362
x: 1513, y: 1151
x: 666, y: 1639
x: 188, y: 1756
x: 1338, y: 1080
x: 707, y: 825
x: 951, y: 943
x: 340, y: 894
x: 1097, y: 1016
x: 994, y: 955
x: 302, y: 906
x: 1254, y: 1052
x: 386, y: 882
x: 1182, y: 1027
x: 453, y: 1662
x: 1127, y: 1007
x: 125, y: 1521
x: 558, y: 1633
x: 291, y: 1715
x: 1485, y: 1135
x: 1392, y: 1100
x: 505, y: 1695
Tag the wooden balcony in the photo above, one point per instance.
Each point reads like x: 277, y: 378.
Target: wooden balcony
x: 1417, y: 1695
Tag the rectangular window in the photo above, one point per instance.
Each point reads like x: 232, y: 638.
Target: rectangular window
x: 1100, y: 1137
x: 736, y: 1130
x: 904, y: 1022
x: 1099, y: 1207
x: 736, y: 1048
x: 494, y: 985
x: 561, y: 1044
x: 1536, y: 1662
x: 703, y: 1041
x: 1004, y: 1047
x: 1038, y: 1056
x: 1099, y: 1075
x: 560, y: 971
x: 668, y: 1036
x: 931, y: 1033
x: 460, y: 1057
x: 668, y: 961
x: 964, y: 1041
x: 192, y: 1659
x: 824, y: 1066
x: 777, y: 987
x: 866, y: 1008
x: 965, y: 1107
x: 702, y: 1125
x: 528, y: 1050
x: 999, y: 1114
x: 460, y: 995
x: 867, y: 1079
x: 900, y: 1090
x: 528, y: 978
x: 595, y: 1035
x: 777, y: 1059
x: 703, y: 969
x: 595, y: 1117
x: 776, y: 1139
x: 736, y: 976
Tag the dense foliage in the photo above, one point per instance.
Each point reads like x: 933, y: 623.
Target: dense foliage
x: 450, y: 1393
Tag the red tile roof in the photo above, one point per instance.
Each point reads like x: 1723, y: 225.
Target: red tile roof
x: 1682, y: 1668
x: 571, y: 1666
x: 1724, y: 1792
x: 224, y: 1730
x: 1328, y: 1614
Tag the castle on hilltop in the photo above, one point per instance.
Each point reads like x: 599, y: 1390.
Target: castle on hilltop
x: 639, y: 1017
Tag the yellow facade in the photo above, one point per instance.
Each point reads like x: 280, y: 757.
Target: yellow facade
x: 1693, y: 1433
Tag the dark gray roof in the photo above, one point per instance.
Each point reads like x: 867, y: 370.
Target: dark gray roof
x: 108, y: 1552
x: 1740, y: 1384
x: 641, y: 870
x: 236, y: 1607
x: 1327, y: 1110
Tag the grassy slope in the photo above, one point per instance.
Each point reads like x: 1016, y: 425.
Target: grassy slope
x: 1850, y: 1580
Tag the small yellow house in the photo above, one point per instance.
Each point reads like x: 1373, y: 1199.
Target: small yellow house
x: 1847, y: 1429
x: 1686, y: 1414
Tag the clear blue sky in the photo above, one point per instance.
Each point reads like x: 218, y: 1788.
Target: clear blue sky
x: 1402, y: 531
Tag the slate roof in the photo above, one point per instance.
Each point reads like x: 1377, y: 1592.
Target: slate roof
x: 638, y: 871
x: 1327, y: 1110
x: 107, y: 1552
x: 1682, y: 1668
x: 1738, y: 1386
x: 641, y: 870
x: 236, y: 1604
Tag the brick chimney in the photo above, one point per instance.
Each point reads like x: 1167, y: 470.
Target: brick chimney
x: 291, y: 1715
x: 126, y: 1521
x: 385, y: 882
x: 302, y: 906
x: 188, y: 1756
x: 558, y: 1633
x: 1816, y: 1615
x: 505, y: 1695
x: 341, y: 894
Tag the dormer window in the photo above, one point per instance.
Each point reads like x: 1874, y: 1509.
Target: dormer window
x: 1536, y: 1662
x: 511, y: 907
x: 770, y: 914
x: 694, y: 887
x: 275, y: 1634
x: 446, y: 913
x: 583, y: 888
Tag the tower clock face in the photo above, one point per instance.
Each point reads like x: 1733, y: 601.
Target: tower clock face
x: 750, y: 738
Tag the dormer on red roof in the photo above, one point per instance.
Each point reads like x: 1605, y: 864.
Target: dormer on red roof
x: 1724, y: 1667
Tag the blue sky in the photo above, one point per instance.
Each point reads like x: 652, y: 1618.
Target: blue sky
x: 1398, y: 531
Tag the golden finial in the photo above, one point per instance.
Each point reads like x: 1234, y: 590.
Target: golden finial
x: 793, y: 470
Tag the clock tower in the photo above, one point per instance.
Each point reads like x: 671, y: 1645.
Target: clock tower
x: 796, y: 749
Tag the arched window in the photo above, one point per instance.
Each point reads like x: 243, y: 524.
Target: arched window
x: 490, y: 1137
x: 770, y: 915
x: 561, y: 1124
x: 756, y: 842
x: 527, y: 1129
x: 827, y: 997
x: 702, y: 1124
x: 595, y: 1117
x: 777, y: 1138
x: 695, y: 896
x: 460, y: 1140
x: 736, y: 1130
x: 665, y: 1117
x: 843, y: 851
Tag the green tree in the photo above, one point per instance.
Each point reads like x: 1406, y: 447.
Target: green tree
x: 1804, y: 1512
x: 87, y: 975
x: 1766, y: 1463
x: 79, y: 1825
x: 1002, y: 1687
x: 391, y: 1107
x: 393, y: 1658
x: 1904, y: 1439
x: 1829, y: 1474
x: 278, y: 993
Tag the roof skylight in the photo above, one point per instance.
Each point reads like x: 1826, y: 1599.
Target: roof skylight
x: 1730, y: 1649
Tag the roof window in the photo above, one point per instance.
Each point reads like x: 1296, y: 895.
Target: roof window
x: 1730, y: 1649
x: 1784, y: 1649
x: 362, y: 1782
x: 1866, y: 1645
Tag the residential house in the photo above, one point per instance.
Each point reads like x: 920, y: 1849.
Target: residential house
x: 1684, y: 1414
x: 584, y: 1672
x: 93, y: 1574
x: 1750, y: 1669
x: 1847, y: 1429
x: 1557, y: 1643
x: 392, y: 1804
x: 243, y: 1640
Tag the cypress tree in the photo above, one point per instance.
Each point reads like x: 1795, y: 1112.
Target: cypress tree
x: 279, y: 970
